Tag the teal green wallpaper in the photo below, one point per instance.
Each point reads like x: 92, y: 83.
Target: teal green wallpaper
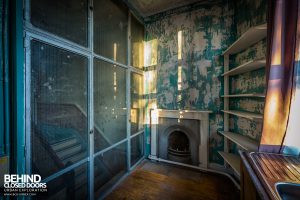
x: 248, y: 13
x: 206, y: 33
x: 186, y: 73
x: 251, y: 82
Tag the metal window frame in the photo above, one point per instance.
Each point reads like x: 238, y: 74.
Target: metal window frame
x: 34, y: 33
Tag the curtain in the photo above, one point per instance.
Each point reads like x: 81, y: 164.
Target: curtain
x: 282, y: 29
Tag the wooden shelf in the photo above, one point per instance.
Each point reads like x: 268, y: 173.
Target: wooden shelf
x: 245, y: 142
x: 246, y: 67
x: 249, y: 38
x: 248, y: 115
x: 244, y: 95
x: 232, y: 160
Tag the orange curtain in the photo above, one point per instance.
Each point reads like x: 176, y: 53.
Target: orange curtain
x: 282, y: 26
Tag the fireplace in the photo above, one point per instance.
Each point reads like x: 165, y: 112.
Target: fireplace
x: 179, y: 147
x: 180, y: 136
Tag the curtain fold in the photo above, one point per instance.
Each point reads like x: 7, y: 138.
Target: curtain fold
x: 282, y: 28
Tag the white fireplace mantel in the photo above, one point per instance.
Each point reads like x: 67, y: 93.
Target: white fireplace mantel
x: 202, y: 116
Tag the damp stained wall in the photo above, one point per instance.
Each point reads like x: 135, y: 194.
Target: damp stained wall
x: 248, y: 13
x: 192, y: 79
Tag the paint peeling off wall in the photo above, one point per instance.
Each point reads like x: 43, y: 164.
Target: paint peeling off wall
x: 256, y: 51
x: 251, y: 82
x: 250, y: 13
x: 246, y: 127
x: 255, y: 105
x: 188, y: 72
x: 206, y: 33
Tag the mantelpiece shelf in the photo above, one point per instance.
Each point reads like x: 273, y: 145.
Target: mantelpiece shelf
x: 248, y: 115
x: 249, y: 38
x: 243, y: 141
x: 232, y: 160
x: 246, y: 67
x: 244, y: 95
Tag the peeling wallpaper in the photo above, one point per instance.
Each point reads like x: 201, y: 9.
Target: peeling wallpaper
x: 206, y: 33
x: 249, y: 13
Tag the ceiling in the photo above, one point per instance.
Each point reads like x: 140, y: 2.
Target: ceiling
x: 150, y: 7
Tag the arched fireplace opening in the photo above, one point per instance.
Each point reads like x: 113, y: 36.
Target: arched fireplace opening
x: 179, y: 147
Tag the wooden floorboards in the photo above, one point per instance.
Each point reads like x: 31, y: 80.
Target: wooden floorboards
x: 159, y: 181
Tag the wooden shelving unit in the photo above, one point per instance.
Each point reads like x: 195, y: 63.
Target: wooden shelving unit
x: 250, y: 37
x: 244, y: 142
x: 248, y: 115
x: 232, y: 160
x: 244, y: 95
x: 246, y: 67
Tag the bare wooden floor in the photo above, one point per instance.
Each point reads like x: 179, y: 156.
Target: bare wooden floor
x: 163, y: 182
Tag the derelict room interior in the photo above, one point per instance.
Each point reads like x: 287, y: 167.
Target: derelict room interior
x: 150, y: 99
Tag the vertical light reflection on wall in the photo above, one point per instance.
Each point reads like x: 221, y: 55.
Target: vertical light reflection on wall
x: 115, y: 80
x: 179, y: 84
x: 179, y: 35
x: 150, y: 92
x: 150, y: 53
x: 138, y: 53
x: 179, y: 75
x: 150, y: 75
x: 137, y: 101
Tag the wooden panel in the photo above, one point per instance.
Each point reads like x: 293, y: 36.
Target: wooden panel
x: 244, y: 95
x: 244, y: 114
x: 248, y: 191
x: 246, y: 67
x: 233, y: 160
x: 250, y: 37
x: 226, y: 101
x: 169, y: 182
x: 241, y: 140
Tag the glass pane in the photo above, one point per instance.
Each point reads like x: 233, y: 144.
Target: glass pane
x: 110, y: 29
x: 71, y: 185
x: 137, y: 44
x: 109, y: 104
x: 109, y: 166
x: 58, y: 108
x: 137, y: 148
x: 137, y: 103
x: 66, y: 18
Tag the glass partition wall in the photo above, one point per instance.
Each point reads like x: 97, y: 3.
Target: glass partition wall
x: 84, y: 94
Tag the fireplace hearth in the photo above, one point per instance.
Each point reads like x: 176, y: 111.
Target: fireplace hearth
x: 179, y: 147
x: 180, y: 136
